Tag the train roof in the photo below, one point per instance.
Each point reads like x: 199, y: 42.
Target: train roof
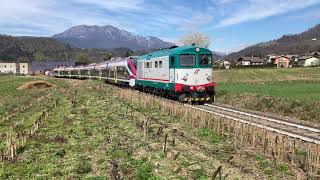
x: 175, y: 50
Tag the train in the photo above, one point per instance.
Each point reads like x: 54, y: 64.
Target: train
x: 183, y: 73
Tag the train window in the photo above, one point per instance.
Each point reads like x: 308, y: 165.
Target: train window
x: 150, y: 65
x: 172, y: 61
x: 205, y: 59
x: 160, y: 64
x: 156, y: 64
x: 187, y: 60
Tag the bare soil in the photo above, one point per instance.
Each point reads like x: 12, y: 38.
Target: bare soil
x: 35, y: 85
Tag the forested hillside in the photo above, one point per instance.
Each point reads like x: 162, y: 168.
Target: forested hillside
x: 305, y: 42
x: 27, y: 49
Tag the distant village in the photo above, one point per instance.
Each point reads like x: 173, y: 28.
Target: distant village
x: 33, y: 68
x: 272, y: 60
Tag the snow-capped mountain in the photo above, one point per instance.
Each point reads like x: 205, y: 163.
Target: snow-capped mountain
x: 84, y: 36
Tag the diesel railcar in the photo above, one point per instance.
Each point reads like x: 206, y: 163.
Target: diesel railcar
x: 183, y: 72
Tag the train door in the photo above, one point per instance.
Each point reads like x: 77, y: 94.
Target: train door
x: 172, y: 69
x: 108, y: 73
x: 149, y: 66
x: 140, y: 69
x: 145, y: 69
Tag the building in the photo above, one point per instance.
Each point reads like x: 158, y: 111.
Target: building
x: 8, y: 67
x: 282, y: 62
x: 306, y: 61
x: 41, y: 67
x: 293, y: 58
x: 315, y: 54
x: 249, y: 61
x: 23, y: 68
x: 271, y: 58
x: 14, y: 68
x: 222, y: 64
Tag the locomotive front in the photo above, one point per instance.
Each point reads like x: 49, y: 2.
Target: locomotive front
x: 193, y: 75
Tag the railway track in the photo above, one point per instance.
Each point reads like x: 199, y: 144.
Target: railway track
x: 285, y: 127
x: 295, y: 130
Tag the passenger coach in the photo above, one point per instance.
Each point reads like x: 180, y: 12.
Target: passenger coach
x: 183, y: 73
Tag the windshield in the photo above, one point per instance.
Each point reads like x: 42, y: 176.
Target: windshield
x: 187, y: 60
x: 205, y: 59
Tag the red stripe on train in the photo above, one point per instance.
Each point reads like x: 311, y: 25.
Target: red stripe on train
x: 154, y: 79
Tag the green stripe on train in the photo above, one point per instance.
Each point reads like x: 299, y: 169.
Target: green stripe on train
x: 161, y: 85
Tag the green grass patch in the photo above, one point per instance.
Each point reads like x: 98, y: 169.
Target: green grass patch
x: 209, y: 135
x: 199, y: 174
x: 83, y: 166
x: 266, y: 75
x: 289, y: 92
x: 283, y: 168
x: 143, y: 169
x: 292, y: 90
x: 264, y: 165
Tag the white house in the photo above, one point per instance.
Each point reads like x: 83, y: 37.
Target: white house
x: 23, y: 68
x: 222, y: 64
x: 14, y: 68
x: 248, y: 61
x: 308, y: 61
x: 8, y: 68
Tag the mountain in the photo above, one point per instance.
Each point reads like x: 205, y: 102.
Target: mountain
x: 302, y: 43
x: 84, y: 36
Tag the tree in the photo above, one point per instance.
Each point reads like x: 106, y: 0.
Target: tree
x: 107, y: 57
x: 23, y: 59
x: 39, y: 56
x: 82, y: 57
x: 196, y: 38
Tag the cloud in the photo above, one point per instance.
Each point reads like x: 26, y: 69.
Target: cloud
x: 235, y: 48
x: 55, y: 16
x: 197, y: 22
x: 15, y: 9
x: 44, y: 17
x: 114, y: 5
x: 174, y: 40
x: 223, y: 2
x: 258, y: 9
x: 144, y: 17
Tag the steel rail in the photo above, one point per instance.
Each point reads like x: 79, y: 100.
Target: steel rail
x: 260, y: 125
x: 300, y: 126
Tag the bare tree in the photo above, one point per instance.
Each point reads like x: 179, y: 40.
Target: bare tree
x: 196, y: 38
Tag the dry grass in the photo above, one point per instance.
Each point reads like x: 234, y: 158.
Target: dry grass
x: 279, y: 148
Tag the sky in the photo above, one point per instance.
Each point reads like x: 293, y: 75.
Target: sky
x: 231, y: 24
